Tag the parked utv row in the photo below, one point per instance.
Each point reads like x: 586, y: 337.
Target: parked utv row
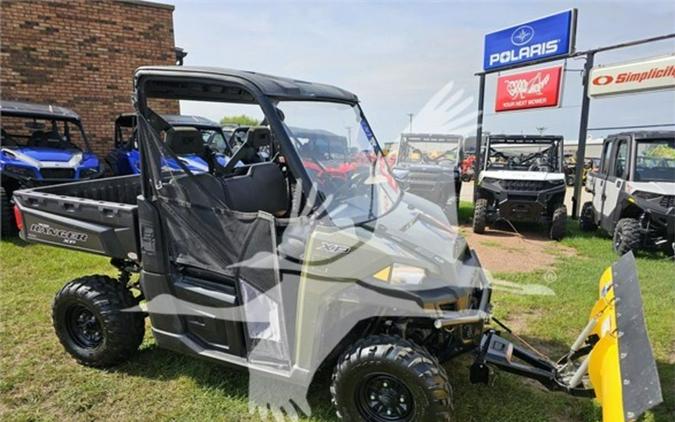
x: 47, y: 144
x: 307, y: 256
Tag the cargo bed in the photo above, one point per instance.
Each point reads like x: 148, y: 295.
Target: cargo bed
x: 98, y: 216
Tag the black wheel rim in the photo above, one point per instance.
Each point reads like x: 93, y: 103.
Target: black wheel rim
x: 83, y: 327
x: 384, y: 398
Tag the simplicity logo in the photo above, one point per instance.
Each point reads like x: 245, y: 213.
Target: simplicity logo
x: 522, y: 35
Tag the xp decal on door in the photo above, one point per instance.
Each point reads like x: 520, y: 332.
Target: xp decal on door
x: 634, y: 192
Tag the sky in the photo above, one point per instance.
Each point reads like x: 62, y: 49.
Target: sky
x: 397, y: 55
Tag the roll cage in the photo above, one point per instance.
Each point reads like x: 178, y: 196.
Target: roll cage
x: 45, y: 112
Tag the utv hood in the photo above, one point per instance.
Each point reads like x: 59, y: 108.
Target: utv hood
x: 521, y: 175
x: 37, y: 155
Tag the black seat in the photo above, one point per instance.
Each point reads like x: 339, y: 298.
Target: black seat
x: 261, y: 188
x: 185, y: 140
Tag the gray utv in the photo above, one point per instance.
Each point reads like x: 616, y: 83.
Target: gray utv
x: 288, y: 266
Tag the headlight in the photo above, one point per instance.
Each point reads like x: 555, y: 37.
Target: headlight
x: 20, y: 171
x: 398, y: 274
x: 556, y: 182
x: 88, y: 172
x: 489, y: 180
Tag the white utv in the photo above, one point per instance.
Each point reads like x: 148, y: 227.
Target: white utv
x: 522, y: 180
x: 634, y: 192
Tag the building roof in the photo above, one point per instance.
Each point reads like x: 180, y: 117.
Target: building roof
x: 40, y: 111
x: 272, y: 86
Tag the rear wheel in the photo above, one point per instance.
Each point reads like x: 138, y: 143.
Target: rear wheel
x: 480, y: 216
x: 387, y: 379
x: 558, y: 223
x: 91, y: 324
x: 587, y: 218
x: 627, y: 236
x: 8, y: 227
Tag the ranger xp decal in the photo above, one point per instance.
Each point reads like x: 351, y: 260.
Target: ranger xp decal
x: 67, y: 236
x: 551, y: 36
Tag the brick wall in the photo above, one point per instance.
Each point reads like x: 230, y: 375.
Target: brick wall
x: 81, y: 55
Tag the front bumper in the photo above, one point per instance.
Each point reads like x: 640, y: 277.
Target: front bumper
x: 523, y: 204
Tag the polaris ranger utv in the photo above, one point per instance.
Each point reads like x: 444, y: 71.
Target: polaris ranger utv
x: 428, y: 165
x: 41, y: 144
x: 634, y: 192
x: 285, y: 271
x: 125, y: 159
x: 522, y: 180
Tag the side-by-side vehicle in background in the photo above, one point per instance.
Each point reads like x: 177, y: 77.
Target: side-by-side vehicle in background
x: 522, y: 180
x: 634, y: 192
x: 428, y: 165
x: 125, y: 158
x: 41, y: 144
x: 285, y: 271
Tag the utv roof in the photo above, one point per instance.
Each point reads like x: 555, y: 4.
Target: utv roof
x: 431, y: 137
x: 646, y: 134
x: 271, y: 86
x: 523, y: 139
x: 38, y: 111
x: 128, y: 120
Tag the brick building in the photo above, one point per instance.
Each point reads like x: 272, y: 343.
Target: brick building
x: 81, y: 54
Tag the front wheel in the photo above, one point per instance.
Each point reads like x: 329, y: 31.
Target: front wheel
x: 627, y: 236
x: 480, y: 216
x: 94, y: 321
x: 587, y: 218
x: 558, y: 223
x: 389, y: 379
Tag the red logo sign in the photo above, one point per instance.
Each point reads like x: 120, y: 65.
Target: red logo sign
x: 534, y: 89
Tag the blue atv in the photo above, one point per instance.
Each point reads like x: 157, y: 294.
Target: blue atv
x: 125, y: 158
x: 41, y: 145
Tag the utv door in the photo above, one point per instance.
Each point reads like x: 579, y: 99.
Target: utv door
x: 614, y: 185
x: 600, y: 180
x: 212, y: 291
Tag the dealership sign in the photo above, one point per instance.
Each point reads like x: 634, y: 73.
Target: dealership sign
x: 533, y: 89
x: 548, y: 37
x: 650, y: 74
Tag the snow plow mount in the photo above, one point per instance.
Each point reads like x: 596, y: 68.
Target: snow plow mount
x: 611, y: 359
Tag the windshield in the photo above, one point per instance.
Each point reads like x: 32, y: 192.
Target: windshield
x: 655, y: 161
x: 530, y: 156
x: 42, y: 133
x: 342, y: 158
x: 214, y: 139
x: 429, y: 149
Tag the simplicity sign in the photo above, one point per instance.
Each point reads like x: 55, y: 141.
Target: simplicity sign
x: 547, y: 37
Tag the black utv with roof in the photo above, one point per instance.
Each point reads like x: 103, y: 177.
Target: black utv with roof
x: 522, y: 180
x: 284, y: 267
x: 427, y: 165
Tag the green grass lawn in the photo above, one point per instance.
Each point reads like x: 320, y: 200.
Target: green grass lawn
x: 38, y: 381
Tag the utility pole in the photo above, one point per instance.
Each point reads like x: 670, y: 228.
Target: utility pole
x: 410, y: 116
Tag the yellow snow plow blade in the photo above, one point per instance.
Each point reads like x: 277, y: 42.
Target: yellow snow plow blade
x: 621, y: 366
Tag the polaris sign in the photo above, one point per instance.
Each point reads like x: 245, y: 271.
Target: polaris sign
x: 548, y: 37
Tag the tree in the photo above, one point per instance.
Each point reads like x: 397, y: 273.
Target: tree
x: 240, y: 120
